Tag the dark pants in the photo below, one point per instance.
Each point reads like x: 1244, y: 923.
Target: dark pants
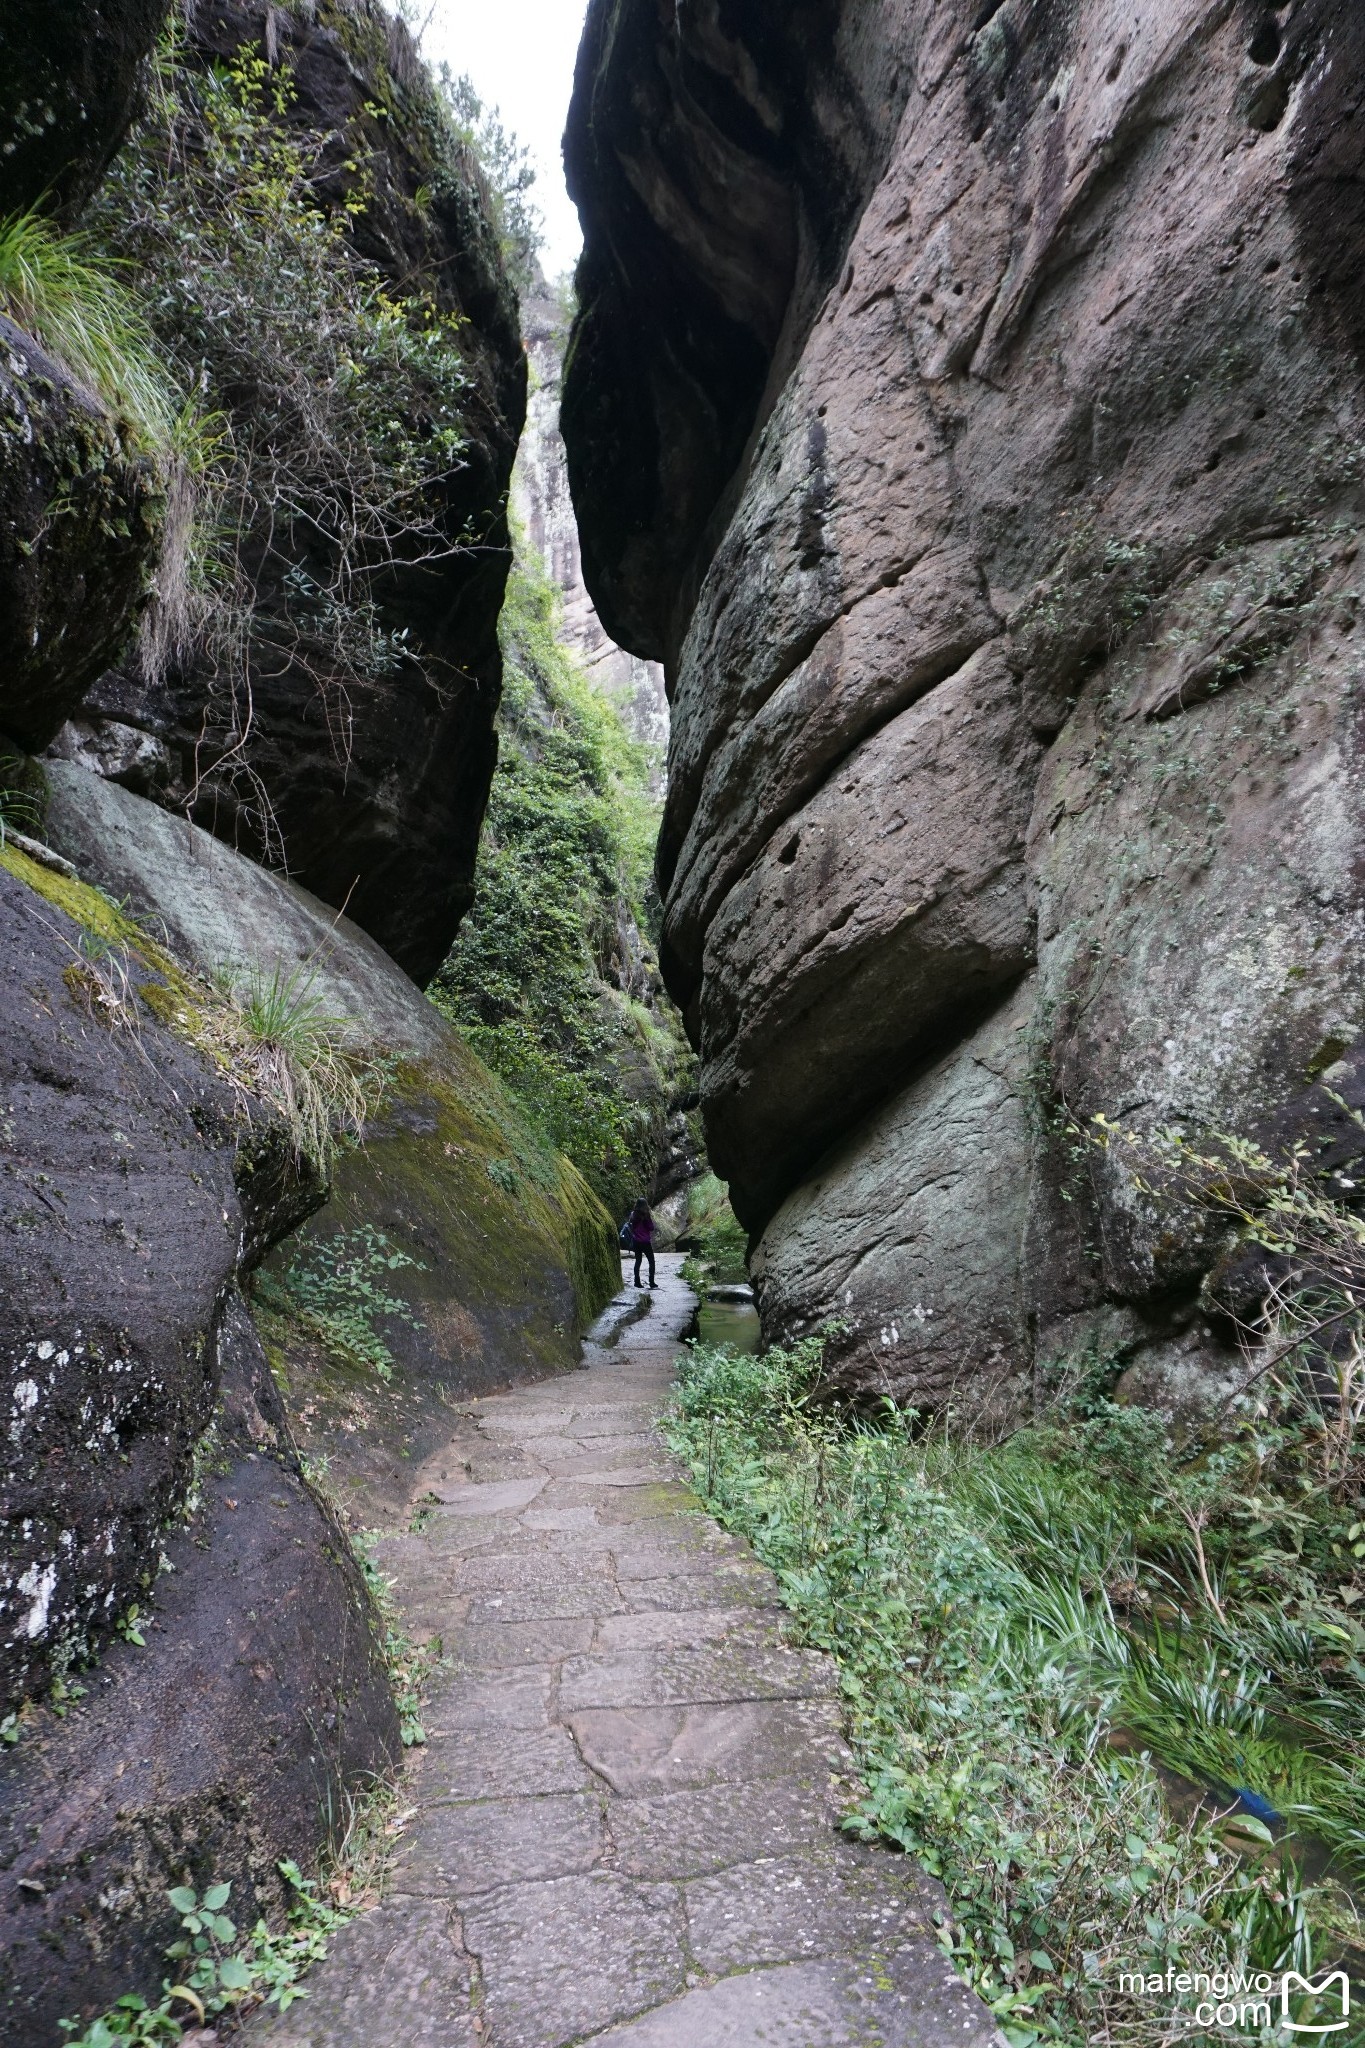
x: 644, y: 1251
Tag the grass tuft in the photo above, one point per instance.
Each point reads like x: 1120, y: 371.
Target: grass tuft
x: 76, y: 303
x: 303, y: 1058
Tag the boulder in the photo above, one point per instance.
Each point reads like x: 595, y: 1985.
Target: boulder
x: 366, y: 778
x: 81, y: 513
x: 893, y: 902
x: 68, y: 89
x: 507, y: 1255
x: 218, y: 1744
x: 152, y: 1489
x: 909, y: 1238
x: 1059, y: 386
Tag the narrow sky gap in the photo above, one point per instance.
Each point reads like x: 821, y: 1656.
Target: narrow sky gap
x: 520, y: 55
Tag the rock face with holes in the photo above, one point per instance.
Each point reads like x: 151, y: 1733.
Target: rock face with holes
x: 965, y: 407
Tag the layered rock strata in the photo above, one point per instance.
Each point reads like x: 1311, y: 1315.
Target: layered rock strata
x: 987, y: 482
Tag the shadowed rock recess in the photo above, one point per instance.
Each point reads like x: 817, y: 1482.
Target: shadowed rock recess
x: 965, y: 406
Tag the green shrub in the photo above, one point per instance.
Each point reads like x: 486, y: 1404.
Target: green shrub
x: 334, y: 1288
x: 337, y: 398
x: 507, y: 173
x: 720, y: 1243
x: 567, y: 844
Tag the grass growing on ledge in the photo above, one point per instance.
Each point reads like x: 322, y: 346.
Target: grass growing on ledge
x: 1033, y: 1637
x: 81, y: 307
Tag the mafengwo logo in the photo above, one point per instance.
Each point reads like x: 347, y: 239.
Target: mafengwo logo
x: 1329, y: 1999
x: 1301, y: 2008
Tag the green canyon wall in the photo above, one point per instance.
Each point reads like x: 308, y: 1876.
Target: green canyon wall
x: 253, y: 548
x: 965, y: 407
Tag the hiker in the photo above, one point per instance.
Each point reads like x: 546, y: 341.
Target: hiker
x: 642, y: 1240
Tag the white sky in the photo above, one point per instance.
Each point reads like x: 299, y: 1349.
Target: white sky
x: 520, y: 55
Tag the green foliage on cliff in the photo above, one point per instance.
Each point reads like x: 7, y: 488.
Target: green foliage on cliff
x: 333, y: 400
x: 720, y: 1243
x: 81, y: 307
x: 506, y: 169
x: 1039, y: 1639
x: 549, y: 974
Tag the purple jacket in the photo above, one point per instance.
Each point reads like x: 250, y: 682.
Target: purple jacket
x: 642, y: 1231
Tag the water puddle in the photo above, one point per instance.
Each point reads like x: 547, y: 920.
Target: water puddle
x: 731, y: 1322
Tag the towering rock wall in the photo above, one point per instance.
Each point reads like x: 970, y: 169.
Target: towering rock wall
x: 966, y: 407
x: 193, y: 1681
x: 328, y: 703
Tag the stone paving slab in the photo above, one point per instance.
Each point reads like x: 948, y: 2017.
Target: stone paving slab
x: 626, y: 1813
x: 908, y: 2001
x: 728, y: 1671
x: 697, y: 1832
x: 474, y: 1848
x: 562, y: 1959
x: 395, y: 1978
x: 659, y: 1749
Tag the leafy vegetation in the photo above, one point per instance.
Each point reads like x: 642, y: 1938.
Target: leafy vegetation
x: 540, y: 979
x: 304, y: 1060
x: 410, y: 1664
x: 506, y: 170
x: 334, y: 1289
x: 218, y: 1973
x: 1106, y: 1679
x: 70, y: 297
x: 335, y: 400
x: 720, y: 1243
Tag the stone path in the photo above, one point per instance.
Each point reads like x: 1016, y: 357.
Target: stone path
x: 625, y: 1828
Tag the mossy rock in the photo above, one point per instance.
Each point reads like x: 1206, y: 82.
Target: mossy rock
x: 70, y: 586
x: 512, y: 1254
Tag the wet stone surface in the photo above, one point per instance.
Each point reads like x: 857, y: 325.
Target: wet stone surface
x: 626, y: 1811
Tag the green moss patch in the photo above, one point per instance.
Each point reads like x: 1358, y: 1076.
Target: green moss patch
x: 494, y: 1255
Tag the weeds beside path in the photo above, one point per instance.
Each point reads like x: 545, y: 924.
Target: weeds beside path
x: 1032, y: 1638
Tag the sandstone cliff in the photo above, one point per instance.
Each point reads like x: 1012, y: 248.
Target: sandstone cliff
x: 194, y: 1680
x: 318, y: 682
x: 966, y: 406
